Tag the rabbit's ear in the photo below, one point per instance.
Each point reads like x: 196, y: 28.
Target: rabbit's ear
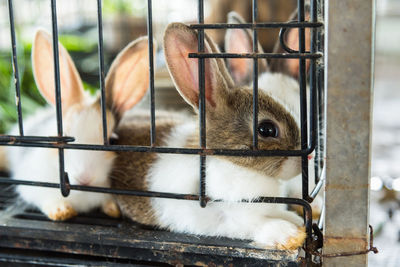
x: 43, y: 71
x: 291, y: 38
x: 179, y: 41
x: 128, y: 78
x: 241, y: 41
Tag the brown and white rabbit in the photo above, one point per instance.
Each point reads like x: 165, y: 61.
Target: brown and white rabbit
x: 126, y: 83
x: 241, y: 41
x: 232, y: 179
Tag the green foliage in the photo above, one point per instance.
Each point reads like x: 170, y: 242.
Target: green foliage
x: 130, y: 7
x: 30, y: 96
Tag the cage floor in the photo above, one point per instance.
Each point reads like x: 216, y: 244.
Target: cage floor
x: 96, y: 238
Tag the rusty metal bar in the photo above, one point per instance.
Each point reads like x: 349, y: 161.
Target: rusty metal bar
x: 202, y: 106
x: 348, y: 82
x: 63, y: 174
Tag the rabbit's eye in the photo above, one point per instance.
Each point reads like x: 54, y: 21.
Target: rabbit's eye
x: 268, y: 129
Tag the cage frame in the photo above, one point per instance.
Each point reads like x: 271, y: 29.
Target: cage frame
x: 347, y: 221
x: 308, y: 143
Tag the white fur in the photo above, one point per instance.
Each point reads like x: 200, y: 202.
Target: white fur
x: 82, y: 119
x: 283, y: 89
x: 286, y: 90
x: 266, y: 224
x: 293, y: 187
x: 42, y: 164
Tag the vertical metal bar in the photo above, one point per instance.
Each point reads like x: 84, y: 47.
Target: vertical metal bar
x: 63, y: 175
x: 15, y: 67
x: 313, y: 83
x: 350, y: 44
x: 202, y: 106
x: 101, y: 71
x: 303, y: 102
x: 255, y: 76
x: 151, y: 72
x: 317, y: 144
x: 319, y: 152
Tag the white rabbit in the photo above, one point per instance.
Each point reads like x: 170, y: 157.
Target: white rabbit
x: 126, y: 83
x: 229, y: 178
x: 276, y: 82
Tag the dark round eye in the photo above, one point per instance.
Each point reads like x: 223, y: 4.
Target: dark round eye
x: 268, y: 129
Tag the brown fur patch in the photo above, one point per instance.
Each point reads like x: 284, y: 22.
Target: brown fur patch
x: 4, y: 164
x: 130, y: 168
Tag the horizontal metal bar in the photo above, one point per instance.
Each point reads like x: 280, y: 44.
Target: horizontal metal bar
x: 306, y: 55
x: 276, y: 200
x: 279, y: 200
x: 258, y: 25
x: 10, y: 139
x: 169, y: 150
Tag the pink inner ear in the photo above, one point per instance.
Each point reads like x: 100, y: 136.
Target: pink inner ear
x: 185, y: 70
x: 189, y: 64
x: 124, y: 98
x: 43, y: 67
x: 210, y: 82
x: 238, y: 42
x: 128, y: 78
x: 239, y: 68
x: 293, y: 43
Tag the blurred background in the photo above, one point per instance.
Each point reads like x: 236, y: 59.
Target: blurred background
x: 125, y: 20
x: 385, y: 171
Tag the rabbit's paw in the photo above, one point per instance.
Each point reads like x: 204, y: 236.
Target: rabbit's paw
x: 316, y: 207
x: 295, y: 241
x: 281, y: 234
x: 60, y: 212
x: 111, y: 209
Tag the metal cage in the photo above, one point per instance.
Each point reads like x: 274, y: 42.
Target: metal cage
x: 27, y: 237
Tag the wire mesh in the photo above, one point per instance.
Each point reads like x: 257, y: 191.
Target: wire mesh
x: 310, y: 126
